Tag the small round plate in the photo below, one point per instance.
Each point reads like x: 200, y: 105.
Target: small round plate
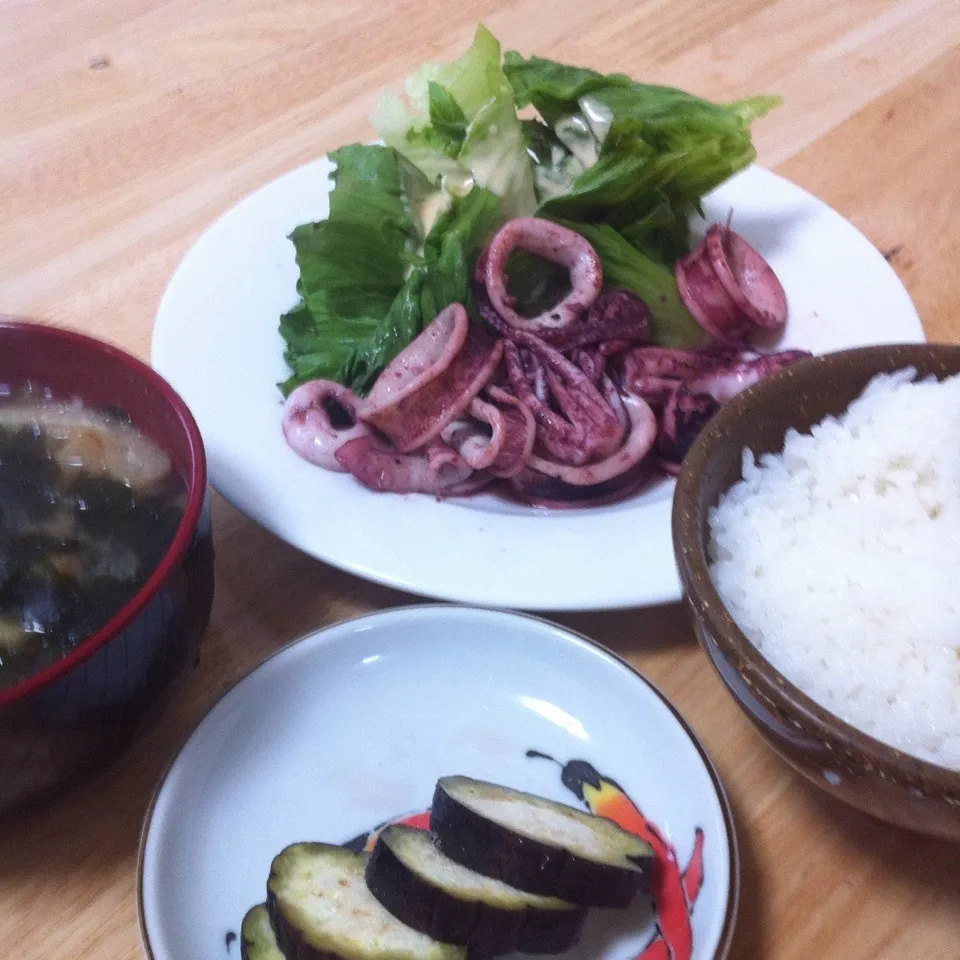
x: 216, y: 341
x: 351, y: 727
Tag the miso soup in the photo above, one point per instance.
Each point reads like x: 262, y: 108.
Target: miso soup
x: 88, y: 507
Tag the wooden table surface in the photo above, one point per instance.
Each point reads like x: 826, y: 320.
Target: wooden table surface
x: 126, y: 126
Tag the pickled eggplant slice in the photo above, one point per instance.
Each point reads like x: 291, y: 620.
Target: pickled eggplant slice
x: 430, y: 892
x: 257, y: 939
x: 539, y: 845
x: 321, y: 909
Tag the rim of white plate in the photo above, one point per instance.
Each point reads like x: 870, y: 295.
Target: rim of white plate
x: 561, y: 633
x: 480, y: 551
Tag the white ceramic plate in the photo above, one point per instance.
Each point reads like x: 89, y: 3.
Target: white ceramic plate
x: 216, y: 341
x: 353, y: 725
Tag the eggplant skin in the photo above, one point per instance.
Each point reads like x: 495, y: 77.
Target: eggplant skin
x: 490, y: 848
x: 485, y: 928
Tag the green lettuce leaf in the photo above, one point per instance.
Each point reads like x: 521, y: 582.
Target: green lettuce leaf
x: 399, y: 327
x: 447, y: 119
x: 369, y: 282
x: 453, y: 245
x: 556, y: 90
x: 660, y: 229
x: 459, y: 126
x: 657, y: 150
x: 352, y: 264
x: 623, y: 163
x: 441, y: 278
x: 625, y: 266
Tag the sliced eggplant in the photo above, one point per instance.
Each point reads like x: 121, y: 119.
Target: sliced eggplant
x: 321, y: 909
x: 430, y: 892
x: 539, y: 845
x: 257, y: 939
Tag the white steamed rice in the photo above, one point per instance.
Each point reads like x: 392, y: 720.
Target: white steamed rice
x: 840, y: 560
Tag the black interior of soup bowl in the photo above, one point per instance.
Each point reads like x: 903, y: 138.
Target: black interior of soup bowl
x: 68, y: 367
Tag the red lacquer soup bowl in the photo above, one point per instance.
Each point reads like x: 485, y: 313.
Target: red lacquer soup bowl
x: 81, y: 710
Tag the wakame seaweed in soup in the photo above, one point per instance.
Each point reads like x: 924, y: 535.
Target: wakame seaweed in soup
x: 88, y: 508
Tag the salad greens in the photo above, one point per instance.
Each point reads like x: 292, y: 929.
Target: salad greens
x: 671, y: 324
x: 460, y: 127
x: 369, y: 280
x: 636, y: 156
x: 623, y: 163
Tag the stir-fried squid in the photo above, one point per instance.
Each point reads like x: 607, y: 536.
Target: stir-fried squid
x: 571, y: 406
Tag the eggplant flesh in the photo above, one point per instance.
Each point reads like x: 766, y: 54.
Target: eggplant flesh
x: 426, y: 890
x: 257, y: 939
x: 321, y: 909
x: 539, y: 845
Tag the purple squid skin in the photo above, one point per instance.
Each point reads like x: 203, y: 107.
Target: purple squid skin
x: 729, y: 288
x: 570, y: 408
x: 686, y: 413
x: 312, y: 419
x: 552, y: 242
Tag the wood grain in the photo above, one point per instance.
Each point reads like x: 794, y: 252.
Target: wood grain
x: 126, y: 126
